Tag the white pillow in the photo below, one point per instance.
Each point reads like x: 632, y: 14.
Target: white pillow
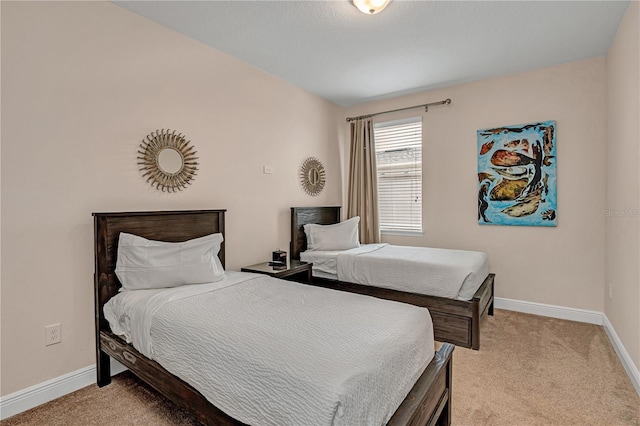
x: 339, y: 236
x: 144, y: 264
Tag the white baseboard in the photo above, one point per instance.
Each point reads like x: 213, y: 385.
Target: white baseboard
x: 625, y: 358
x: 33, y: 396
x: 580, y: 315
x: 572, y: 314
x: 39, y: 394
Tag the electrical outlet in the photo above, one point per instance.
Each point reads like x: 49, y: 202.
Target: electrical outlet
x: 52, y: 334
x: 267, y: 170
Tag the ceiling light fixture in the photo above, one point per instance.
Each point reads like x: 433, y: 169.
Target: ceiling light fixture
x: 371, y: 7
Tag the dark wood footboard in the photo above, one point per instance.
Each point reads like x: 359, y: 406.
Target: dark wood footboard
x: 458, y: 321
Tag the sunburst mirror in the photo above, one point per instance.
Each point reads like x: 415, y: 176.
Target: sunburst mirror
x: 312, y: 176
x: 167, y: 160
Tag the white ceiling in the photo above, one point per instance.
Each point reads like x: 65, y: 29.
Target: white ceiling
x: 331, y: 49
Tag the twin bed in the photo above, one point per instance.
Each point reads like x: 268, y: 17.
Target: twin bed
x: 460, y: 289
x: 251, y: 349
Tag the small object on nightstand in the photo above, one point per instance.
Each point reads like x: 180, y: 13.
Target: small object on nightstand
x: 279, y: 256
x: 278, y: 266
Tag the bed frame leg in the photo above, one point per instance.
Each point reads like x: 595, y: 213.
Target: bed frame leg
x: 490, y: 310
x: 445, y: 417
x: 475, y: 325
x: 103, y: 368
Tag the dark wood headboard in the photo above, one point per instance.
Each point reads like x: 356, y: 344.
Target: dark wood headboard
x: 301, y: 216
x: 171, y: 226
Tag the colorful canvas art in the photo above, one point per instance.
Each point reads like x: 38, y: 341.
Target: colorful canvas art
x: 517, y: 175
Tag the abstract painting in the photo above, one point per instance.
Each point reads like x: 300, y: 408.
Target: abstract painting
x: 517, y: 175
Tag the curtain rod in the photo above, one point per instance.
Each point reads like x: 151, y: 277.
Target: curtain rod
x: 426, y: 108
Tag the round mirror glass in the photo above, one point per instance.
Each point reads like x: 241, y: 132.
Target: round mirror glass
x: 170, y: 161
x: 314, y: 176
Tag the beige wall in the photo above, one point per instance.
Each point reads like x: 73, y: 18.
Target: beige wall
x: 82, y: 84
x: 623, y: 183
x: 559, y: 266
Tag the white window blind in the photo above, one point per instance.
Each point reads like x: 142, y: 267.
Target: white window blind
x: 399, y: 156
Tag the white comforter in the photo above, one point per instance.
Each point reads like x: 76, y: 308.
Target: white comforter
x: 447, y: 273
x: 272, y: 352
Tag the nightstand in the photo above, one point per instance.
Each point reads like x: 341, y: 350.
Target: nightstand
x: 294, y: 270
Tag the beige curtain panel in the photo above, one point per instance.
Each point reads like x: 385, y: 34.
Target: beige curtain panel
x: 363, y: 181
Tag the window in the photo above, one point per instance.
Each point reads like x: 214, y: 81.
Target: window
x: 399, y: 160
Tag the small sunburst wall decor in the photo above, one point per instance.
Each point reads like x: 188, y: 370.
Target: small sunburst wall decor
x: 312, y: 176
x: 167, y: 160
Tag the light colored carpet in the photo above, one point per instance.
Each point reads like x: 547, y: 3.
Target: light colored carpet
x: 530, y: 370
x: 534, y: 370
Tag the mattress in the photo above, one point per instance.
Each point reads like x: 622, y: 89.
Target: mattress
x: 455, y: 274
x: 273, y: 352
